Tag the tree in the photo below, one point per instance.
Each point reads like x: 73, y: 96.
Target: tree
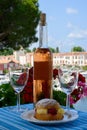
x: 6, y: 52
x: 27, y: 50
x: 18, y: 23
x: 34, y: 49
x: 57, y: 49
x: 52, y: 50
x: 77, y: 49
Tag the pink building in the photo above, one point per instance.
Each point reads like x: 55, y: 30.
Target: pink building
x: 6, y: 62
x: 69, y: 58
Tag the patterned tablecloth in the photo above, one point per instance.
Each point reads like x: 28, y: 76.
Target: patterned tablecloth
x: 12, y: 121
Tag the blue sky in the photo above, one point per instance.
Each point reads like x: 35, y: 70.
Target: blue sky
x: 67, y: 23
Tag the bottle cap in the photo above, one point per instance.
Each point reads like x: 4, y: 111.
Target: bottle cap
x: 43, y: 19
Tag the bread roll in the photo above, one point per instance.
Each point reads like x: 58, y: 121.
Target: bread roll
x: 48, y: 109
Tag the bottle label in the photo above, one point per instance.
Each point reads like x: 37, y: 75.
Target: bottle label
x: 43, y: 70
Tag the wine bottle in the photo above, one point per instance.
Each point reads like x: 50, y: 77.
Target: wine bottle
x: 43, y: 65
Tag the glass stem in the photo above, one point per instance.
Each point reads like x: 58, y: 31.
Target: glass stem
x: 68, y: 102
x: 18, y: 101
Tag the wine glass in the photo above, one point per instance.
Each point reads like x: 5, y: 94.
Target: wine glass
x: 68, y: 77
x: 18, y: 80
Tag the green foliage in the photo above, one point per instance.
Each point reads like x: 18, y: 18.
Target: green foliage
x: 18, y: 23
x: 84, y: 67
x: 6, y: 52
x: 27, y: 50
x: 57, y: 49
x: 7, y: 95
x: 53, y: 50
x: 77, y: 49
x: 60, y: 97
x: 5, y: 71
x: 34, y: 49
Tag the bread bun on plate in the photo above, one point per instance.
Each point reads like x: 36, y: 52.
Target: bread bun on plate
x: 48, y: 109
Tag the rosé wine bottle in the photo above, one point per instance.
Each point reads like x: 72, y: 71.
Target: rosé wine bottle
x: 43, y: 65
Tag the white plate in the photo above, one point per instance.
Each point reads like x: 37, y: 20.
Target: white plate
x: 29, y: 116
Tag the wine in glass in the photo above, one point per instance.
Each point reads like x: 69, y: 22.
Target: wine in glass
x: 68, y: 77
x: 18, y: 80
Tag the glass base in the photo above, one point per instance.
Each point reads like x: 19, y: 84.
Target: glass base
x: 15, y: 109
x: 70, y: 112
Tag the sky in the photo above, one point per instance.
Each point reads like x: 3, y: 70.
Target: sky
x: 66, y: 23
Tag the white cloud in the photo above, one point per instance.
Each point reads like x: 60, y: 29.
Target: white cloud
x: 71, y: 11
x: 79, y: 34
x: 75, y: 35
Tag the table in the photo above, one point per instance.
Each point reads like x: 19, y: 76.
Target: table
x: 12, y: 121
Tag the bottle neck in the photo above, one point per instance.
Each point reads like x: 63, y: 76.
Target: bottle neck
x: 43, y: 38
